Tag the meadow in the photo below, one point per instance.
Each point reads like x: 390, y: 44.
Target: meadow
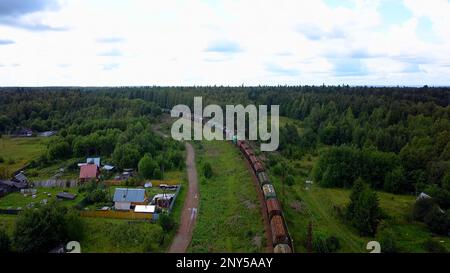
x: 229, y: 218
x: 15, y: 153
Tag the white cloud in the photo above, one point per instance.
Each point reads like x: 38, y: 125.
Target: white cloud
x: 139, y: 42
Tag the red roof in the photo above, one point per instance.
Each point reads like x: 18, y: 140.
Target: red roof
x: 88, y: 171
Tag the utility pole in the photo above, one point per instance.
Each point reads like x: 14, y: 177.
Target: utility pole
x: 309, y: 238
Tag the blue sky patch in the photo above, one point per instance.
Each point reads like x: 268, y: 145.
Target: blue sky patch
x: 349, y: 67
x: 224, y: 47
x: 394, y: 12
x: 340, y: 3
x: 425, y: 30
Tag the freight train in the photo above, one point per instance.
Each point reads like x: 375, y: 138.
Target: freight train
x: 281, y: 240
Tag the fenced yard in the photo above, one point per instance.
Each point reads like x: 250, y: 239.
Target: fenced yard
x: 130, y: 215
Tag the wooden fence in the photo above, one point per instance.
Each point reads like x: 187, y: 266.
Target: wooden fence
x: 131, y: 215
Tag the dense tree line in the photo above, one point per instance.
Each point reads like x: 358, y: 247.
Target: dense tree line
x: 396, y: 138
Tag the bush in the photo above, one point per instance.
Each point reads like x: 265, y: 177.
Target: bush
x: 387, y: 239
x: 97, y: 196
x: 364, y: 212
x: 166, y: 222
x: 290, y: 180
x: 333, y: 243
x: 5, y: 242
x: 323, y: 243
x: 437, y: 221
x: 2, y: 159
x: 207, y: 170
x: 40, y: 230
x: 147, y: 166
x: 434, y: 247
x: 422, y: 207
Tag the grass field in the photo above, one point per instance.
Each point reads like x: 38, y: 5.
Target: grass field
x: 16, y: 199
x: 17, y: 152
x: 121, y: 236
x: 229, y: 217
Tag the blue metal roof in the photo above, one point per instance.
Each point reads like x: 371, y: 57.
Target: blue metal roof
x: 129, y: 195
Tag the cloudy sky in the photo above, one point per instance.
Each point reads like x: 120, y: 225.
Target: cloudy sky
x: 142, y: 42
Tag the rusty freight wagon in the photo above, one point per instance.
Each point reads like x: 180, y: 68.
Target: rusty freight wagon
x: 279, y: 232
x: 273, y: 207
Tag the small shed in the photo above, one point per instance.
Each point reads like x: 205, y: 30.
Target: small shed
x: 20, y: 177
x: 65, y: 196
x: 144, y: 209
x: 423, y: 195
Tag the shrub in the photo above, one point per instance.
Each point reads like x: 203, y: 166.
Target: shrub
x: 2, y: 159
x: 422, y: 207
x: 207, y: 170
x: 5, y: 242
x: 323, y: 243
x: 387, y: 239
x: 40, y: 230
x: 437, y: 221
x: 97, y: 196
x: 290, y: 180
x: 166, y: 222
x: 434, y: 247
x: 147, y: 166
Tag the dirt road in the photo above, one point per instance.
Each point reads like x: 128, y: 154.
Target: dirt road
x: 190, y: 208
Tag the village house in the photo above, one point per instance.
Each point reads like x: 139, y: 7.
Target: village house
x: 126, y: 199
x: 89, y: 172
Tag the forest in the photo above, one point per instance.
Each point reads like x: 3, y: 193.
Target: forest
x: 393, y: 139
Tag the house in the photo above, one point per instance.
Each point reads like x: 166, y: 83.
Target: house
x: 93, y: 160
x: 65, y: 196
x: 20, y: 177
x: 8, y: 186
x: 25, y: 132
x: 89, y: 172
x: 126, y: 199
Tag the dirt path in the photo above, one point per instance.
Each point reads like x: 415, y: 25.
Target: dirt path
x: 190, y: 208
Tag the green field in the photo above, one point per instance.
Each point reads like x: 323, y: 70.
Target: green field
x: 16, y: 199
x: 17, y: 152
x: 229, y: 217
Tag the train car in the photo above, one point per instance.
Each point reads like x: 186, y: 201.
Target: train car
x: 282, y: 248
x: 248, y: 153
x: 263, y: 178
x: 269, y: 191
x: 279, y: 232
x: 258, y: 167
x: 273, y: 207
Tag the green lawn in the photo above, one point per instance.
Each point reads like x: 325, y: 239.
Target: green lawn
x: 229, y: 217
x: 17, y: 199
x: 121, y: 236
x: 17, y: 152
